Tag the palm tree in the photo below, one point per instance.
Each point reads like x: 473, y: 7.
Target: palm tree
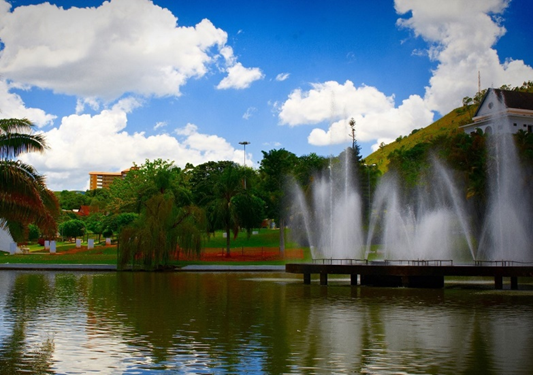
x: 24, y: 198
x: 230, y: 203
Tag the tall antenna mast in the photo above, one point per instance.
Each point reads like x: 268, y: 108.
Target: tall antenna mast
x: 478, y: 82
x: 352, y: 125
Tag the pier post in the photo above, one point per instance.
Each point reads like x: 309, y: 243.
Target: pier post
x: 307, y: 278
x: 498, y: 282
x: 353, y: 279
x: 514, y: 282
x: 323, y: 278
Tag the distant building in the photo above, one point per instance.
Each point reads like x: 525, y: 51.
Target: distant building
x: 100, y: 180
x: 503, y: 111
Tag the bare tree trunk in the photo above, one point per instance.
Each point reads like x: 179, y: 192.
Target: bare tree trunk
x: 227, y: 242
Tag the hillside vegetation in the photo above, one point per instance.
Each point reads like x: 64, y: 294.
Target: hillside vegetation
x: 448, y: 124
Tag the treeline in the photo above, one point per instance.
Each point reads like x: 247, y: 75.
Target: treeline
x: 160, y: 210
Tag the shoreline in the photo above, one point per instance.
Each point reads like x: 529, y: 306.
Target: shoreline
x: 113, y: 268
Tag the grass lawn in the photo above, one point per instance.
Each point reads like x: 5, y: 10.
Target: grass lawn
x: 66, y: 254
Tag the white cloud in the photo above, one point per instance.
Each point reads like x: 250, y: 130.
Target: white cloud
x: 160, y: 124
x: 12, y: 106
x: 282, y: 77
x: 240, y: 77
x: 249, y: 112
x: 122, y: 46
x: 84, y: 143
x: 461, y: 36
x: 375, y: 114
x: 383, y: 125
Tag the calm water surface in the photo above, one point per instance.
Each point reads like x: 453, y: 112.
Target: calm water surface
x: 124, y: 323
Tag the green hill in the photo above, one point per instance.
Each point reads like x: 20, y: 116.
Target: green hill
x: 445, y: 125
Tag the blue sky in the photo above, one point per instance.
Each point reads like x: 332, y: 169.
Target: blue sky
x: 127, y: 80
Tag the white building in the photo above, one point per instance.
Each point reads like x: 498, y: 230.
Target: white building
x: 503, y: 111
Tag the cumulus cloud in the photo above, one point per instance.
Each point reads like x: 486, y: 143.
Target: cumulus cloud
x: 375, y: 114
x: 84, y: 143
x: 461, y: 36
x: 240, y: 77
x: 122, y: 46
x: 331, y: 101
x: 12, y: 106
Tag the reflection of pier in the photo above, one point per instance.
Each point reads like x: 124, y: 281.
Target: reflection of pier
x: 410, y: 273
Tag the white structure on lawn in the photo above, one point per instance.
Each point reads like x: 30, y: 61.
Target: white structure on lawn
x: 513, y: 107
x: 6, y: 241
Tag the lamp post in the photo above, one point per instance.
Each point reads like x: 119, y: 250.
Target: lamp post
x: 244, y: 143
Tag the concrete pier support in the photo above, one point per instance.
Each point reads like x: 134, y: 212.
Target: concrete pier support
x: 353, y: 279
x: 307, y: 278
x: 498, y: 282
x: 514, y: 282
x: 323, y: 278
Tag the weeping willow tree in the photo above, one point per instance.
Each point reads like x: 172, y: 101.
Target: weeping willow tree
x: 159, y: 234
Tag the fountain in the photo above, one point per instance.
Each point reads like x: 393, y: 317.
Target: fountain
x: 435, y: 225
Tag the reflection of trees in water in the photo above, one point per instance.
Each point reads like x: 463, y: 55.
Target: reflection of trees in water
x: 180, y: 321
x: 223, y: 322
x: 29, y: 295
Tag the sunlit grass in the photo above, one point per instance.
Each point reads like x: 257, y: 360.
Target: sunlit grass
x: 108, y: 254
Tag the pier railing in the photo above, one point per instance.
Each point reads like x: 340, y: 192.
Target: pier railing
x: 348, y: 262
x: 399, y: 262
x: 417, y: 262
x: 501, y: 263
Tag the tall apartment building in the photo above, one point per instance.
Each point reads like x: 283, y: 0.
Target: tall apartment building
x: 100, y: 180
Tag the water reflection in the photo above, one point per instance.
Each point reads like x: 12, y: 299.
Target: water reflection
x: 226, y: 322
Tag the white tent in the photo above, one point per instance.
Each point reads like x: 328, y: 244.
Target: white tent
x: 6, y: 241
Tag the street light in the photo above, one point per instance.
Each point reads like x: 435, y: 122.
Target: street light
x: 244, y: 143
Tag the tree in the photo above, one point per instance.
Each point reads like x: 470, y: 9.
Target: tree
x: 275, y: 167
x: 307, y: 168
x: 72, y: 228
x: 95, y: 223
x: 70, y: 200
x: 228, y: 203
x: 161, y: 230
x: 143, y: 182
x: 24, y: 198
x: 153, y: 208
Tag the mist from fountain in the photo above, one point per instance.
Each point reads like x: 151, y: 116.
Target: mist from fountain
x: 434, y: 224
x: 434, y: 227
x: 507, y: 227
x: 330, y: 215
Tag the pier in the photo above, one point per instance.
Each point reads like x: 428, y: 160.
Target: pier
x: 410, y: 273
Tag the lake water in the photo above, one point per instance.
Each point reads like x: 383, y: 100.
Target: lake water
x: 144, y: 323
